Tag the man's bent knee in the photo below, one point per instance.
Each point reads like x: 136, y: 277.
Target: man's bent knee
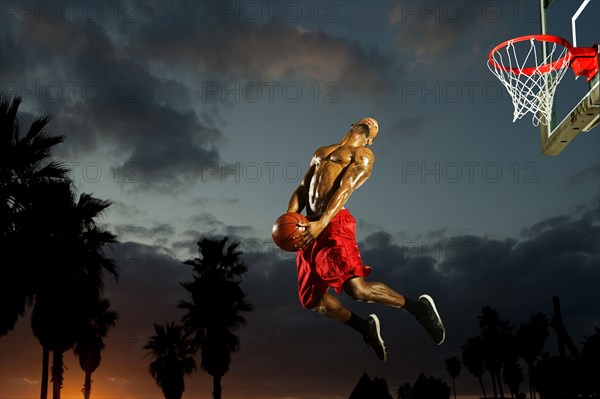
x: 325, y: 305
x: 320, y: 309
x: 316, y: 306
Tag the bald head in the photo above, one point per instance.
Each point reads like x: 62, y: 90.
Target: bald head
x: 371, y: 126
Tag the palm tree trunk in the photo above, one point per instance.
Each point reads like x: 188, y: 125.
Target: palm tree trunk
x: 494, y: 384
x: 57, y: 373
x: 45, y: 367
x: 500, y: 385
x: 482, y: 387
x: 532, y: 383
x: 87, y: 385
x: 454, y: 387
x: 217, y: 389
x: 531, y: 393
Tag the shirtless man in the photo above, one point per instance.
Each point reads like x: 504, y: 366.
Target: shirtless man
x: 328, y: 254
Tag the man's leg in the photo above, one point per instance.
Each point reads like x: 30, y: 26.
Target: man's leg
x: 330, y: 306
x: 372, y: 291
x: 423, y: 310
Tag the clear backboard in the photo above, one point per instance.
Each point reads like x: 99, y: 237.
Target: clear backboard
x: 584, y: 116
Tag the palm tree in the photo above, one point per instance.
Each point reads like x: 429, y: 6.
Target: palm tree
x: 72, y: 275
x: 453, y: 366
x: 513, y: 376
x: 173, y: 354
x: 90, y: 343
x: 472, y: 357
x: 512, y: 373
x: 217, y: 300
x: 23, y: 164
x: 530, y: 339
x: 497, y: 336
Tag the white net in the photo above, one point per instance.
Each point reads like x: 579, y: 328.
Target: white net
x: 530, y: 77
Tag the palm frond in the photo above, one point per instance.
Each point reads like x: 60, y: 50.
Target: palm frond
x: 8, y: 118
x: 53, y: 170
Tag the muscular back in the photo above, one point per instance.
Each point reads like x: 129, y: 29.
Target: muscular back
x: 338, y: 170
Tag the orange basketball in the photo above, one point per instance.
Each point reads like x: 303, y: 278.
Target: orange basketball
x: 285, y: 227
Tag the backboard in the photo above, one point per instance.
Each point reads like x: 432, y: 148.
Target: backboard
x: 584, y: 115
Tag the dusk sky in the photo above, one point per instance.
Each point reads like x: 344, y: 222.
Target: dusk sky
x: 199, y: 118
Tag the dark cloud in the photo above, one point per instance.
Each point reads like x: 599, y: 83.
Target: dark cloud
x: 207, y: 225
x: 407, y: 128
x: 125, y: 209
x: 378, y: 240
x: 130, y: 87
x: 204, y: 201
x: 591, y: 172
x: 430, y: 31
x: 156, y: 232
x: 99, y: 95
x: 181, y: 42
x: 212, y: 226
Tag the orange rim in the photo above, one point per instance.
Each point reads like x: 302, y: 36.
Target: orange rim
x: 545, y: 68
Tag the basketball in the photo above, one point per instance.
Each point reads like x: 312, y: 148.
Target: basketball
x: 285, y: 228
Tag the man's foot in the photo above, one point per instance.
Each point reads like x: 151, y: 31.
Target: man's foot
x: 431, y: 321
x: 373, y: 337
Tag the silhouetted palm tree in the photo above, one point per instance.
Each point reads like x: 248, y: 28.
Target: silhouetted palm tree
x: 513, y: 376
x: 90, y: 342
x: 173, y: 354
x: 453, y: 366
x: 472, y: 357
x: 72, y: 275
x: 512, y: 373
x: 217, y: 302
x: 530, y: 339
x: 495, y: 334
x: 24, y: 162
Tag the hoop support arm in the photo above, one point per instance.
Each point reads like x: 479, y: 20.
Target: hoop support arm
x: 584, y: 61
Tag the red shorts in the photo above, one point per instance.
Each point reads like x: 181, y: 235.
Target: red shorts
x: 330, y: 261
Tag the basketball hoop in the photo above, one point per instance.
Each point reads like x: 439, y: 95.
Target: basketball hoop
x: 532, y: 73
